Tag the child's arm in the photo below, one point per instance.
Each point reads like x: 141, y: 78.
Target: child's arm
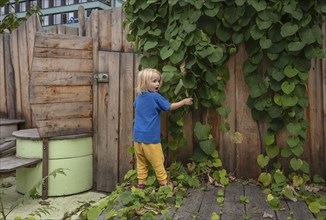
x: 176, y: 105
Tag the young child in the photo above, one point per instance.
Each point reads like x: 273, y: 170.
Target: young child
x: 146, y: 134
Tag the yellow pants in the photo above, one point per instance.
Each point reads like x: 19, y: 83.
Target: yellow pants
x: 153, y: 154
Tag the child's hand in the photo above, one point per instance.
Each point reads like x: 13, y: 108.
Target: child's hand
x: 187, y: 101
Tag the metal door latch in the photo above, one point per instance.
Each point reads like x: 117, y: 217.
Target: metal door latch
x: 102, y: 77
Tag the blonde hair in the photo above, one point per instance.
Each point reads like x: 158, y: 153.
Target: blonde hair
x: 144, y: 77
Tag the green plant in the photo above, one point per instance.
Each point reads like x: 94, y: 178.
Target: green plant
x: 32, y: 193
x: 244, y: 199
x: 11, y: 21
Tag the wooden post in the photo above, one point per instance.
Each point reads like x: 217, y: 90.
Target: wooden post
x: 10, y: 80
x: 45, y: 169
x: 81, y: 21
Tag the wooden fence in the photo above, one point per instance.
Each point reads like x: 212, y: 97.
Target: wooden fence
x: 112, y: 112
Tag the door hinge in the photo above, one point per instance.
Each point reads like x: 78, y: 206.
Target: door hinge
x: 101, y: 77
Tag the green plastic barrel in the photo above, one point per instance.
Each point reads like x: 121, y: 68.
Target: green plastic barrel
x: 73, y: 153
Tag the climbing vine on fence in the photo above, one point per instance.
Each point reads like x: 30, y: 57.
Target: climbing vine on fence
x: 190, y: 41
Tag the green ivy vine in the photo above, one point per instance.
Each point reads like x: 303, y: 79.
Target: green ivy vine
x: 190, y: 42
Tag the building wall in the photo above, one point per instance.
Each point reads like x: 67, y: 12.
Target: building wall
x: 59, y: 11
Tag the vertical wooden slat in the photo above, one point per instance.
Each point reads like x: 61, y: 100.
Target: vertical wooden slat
x: 247, y: 161
x: 116, y: 30
x: 102, y: 150
x: 227, y: 148
x: 81, y: 21
x: 93, y: 32
x: 186, y: 152
x: 10, y: 82
x: 45, y: 168
x: 126, y: 113
x: 15, y: 61
x: 127, y: 46
x: 105, y: 30
x: 61, y: 29
x: 30, y: 37
x: 24, y: 64
x: 323, y: 68
x: 3, y: 96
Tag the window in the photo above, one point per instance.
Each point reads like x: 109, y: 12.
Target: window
x: 70, y: 17
x: 2, y: 11
x: 45, y: 20
x: 69, y: 2
x: 12, y: 8
x: 82, y: 1
x: 22, y: 6
x: 57, y: 19
x: 45, y: 3
x: 56, y: 3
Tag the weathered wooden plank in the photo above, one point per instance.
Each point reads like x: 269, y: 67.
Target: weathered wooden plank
x: 105, y: 30
x: 62, y: 53
x: 62, y: 110
x: 8, y: 164
x: 126, y: 112
x: 116, y: 30
x: 24, y: 75
x: 209, y: 203
x: 61, y: 65
x: 15, y: 62
x: 227, y: 148
x: 61, y: 78
x: 190, y: 205
x: 71, y: 31
x: 10, y: 80
x: 65, y: 126
x: 7, y: 145
x: 315, y: 146
x: 3, y: 100
x: 113, y: 62
x: 127, y: 46
x: 257, y: 205
x: 245, y: 125
x: 233, y: 208
x: 63, y: 41
x: 300, y: 210
x: 81, y: 21
x: 30, y: 37
x: 52, y: 30
x: 61, y: 29
x: 92, y: 31
x: 284, y: 212
x: 59, y: 94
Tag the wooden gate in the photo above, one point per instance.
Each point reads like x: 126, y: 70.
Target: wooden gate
x: 114, y: 117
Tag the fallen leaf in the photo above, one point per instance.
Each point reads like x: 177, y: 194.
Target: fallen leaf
x: 267, y: 215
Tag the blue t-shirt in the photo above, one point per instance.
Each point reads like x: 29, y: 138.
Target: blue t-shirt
x: 147, y: 124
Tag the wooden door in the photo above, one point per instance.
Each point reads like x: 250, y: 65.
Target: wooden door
x: 113, y: 119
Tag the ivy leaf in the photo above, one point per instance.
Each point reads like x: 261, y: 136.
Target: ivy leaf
x: 272, y: 151
x: 265, y: 43
x: 296, y: 163
x: 292, y: 141
x: 224, y: 127
x: 293, y: 128
x: 208, y: 146
x: 308, y: 35
x: 199, y: 155
x: 259, y: 5
x: 216, y: 56
x: 149, y: 45
x: 286, y: 152
x: 297, y: 151
x: 146, y: 15
x: 314, y: 207
x: 290, y: 72
x: 296, y: 46
x: 265, y: 179
x: 262, y: 160
x: 289, y: 101
x: 166, y: 52
x: 269, y: 139
x: 202, y: 131
x: 289, y: 29
x: 287, y: 87
x: 278, y: 75
x: 289, y: 194
x: 189, y: 27
x: 279, y: 177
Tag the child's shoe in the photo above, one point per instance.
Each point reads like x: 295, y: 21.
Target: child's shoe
x: 168, y: 183
x: 141, y: 186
